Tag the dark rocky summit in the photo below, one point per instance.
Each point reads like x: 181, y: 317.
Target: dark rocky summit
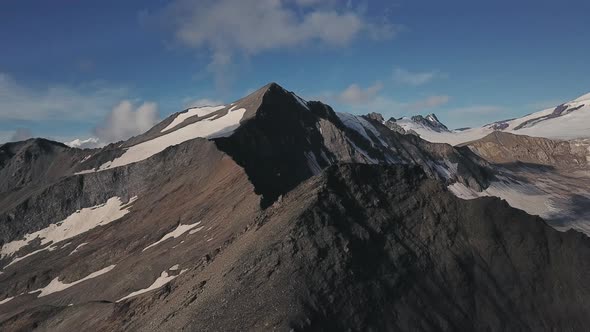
x: 430, y: 121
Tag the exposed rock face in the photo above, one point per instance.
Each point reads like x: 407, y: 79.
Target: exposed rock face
x: 550, y: 178
x: 393, y: 126
x: 430, y: 121
x: 297, y: 139
x: 34, y: 161
x: 501, y: 148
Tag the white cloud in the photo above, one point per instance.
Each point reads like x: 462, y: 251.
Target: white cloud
x: 369, y: 99
x: 250, y: 27
x: 404, y: 76
x: 89, y: 143
x: 202, y: 102
x: 126, y: 120
x: 428, y: 103
x: 57, y: 102
x: 356, y: 95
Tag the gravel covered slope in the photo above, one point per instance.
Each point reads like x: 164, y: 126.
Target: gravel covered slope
x: 368, y: 247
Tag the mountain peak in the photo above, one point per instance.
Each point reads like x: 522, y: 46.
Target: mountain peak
x: 269, y: 87
x: 430, y: 121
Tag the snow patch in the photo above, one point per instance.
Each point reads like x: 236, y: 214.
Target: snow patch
x: 79, y: 222
x: 162, y: 280
x: 78, y: 247
x: 180, y: 229
x: 212, y: 127
x: 585, y: 97
x: 199, y: 112
x: 194, y: 231
x: 57, y: 286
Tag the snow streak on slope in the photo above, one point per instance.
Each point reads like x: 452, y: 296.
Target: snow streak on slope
x: 6, y: 300
x: 162, y: 280
x: 213, y: 127
x: 199, y: 112
x: 80, y: 222
x: 57, y: 286
x: 180, y: 229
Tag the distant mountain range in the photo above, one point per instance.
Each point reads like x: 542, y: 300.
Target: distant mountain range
x: 277, y: 213
x: 569, y: 120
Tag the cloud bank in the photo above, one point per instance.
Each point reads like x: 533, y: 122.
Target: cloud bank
x: 227, y: 28
x: 126, y: 120
x: 19, y: 102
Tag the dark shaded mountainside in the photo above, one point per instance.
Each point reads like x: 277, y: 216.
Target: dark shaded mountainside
x: 299, y: 219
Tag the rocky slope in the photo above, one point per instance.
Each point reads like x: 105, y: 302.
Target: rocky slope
x: 502, y: 148
x: 545, y: 177
x: 359, y: 247
x: 35, y: 161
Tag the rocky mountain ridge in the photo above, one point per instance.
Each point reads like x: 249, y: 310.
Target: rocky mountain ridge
x: 275, y: 213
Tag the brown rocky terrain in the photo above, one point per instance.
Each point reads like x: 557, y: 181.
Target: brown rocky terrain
x: 359, y: 247
x: 503, y: 148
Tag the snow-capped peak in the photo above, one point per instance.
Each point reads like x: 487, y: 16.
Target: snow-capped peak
x: 432, y: 118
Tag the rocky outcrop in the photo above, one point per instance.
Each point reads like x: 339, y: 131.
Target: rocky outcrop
x: 34, y: 162
x: 503, y: 148
x: 430, y: 121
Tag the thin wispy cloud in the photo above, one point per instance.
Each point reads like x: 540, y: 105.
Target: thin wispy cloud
x: 360, y: 99
x: 188, y: 103
x: 355, y: 95
x: 403, y: 76
x: 427, y: 103
x: 20, y: 102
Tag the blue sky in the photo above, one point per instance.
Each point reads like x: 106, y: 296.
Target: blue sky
x: 110, y: 69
